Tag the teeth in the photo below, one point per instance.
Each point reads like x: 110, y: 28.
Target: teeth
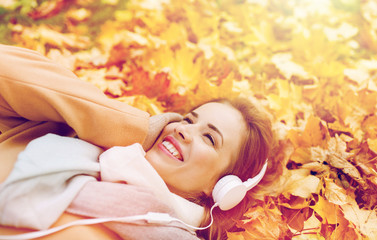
x: 170, y: 147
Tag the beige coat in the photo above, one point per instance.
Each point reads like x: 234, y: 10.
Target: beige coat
x: 38, y: 97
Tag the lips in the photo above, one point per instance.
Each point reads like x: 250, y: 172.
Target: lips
x: 172, y: 147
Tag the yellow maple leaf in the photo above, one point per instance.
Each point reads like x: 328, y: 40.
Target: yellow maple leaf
x: 327, y: 210
x: 182, y: 65
x: 314, y: 134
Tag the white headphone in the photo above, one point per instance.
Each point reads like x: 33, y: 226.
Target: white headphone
x: 230, y: 190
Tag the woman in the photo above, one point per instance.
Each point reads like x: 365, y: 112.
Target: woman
x: 252, y: 152
x: 215, y: 139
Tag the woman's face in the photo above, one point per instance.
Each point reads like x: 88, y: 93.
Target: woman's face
x: 191, y: 155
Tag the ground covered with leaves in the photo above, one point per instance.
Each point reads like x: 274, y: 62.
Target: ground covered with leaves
x: 311, y: 64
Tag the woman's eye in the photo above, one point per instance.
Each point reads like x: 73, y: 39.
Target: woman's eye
x: 188, y: 120
x: 211, y: 139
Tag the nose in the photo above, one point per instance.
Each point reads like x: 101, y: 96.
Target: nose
x: 184, y: 132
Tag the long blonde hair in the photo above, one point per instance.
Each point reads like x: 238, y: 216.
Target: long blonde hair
x: 253, y: 154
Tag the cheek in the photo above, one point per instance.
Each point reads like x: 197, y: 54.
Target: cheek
x: 206, y: 160
x: 203, y: 158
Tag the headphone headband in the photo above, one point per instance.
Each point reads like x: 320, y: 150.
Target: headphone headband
x: 230, y: 190
x: 252, y: 182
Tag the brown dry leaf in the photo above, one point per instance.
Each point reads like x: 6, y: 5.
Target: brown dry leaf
x: 335, y: 194
x: 316, y: 168
x: 336, y: 156
x: 338, y: 162
x: 364, y: 220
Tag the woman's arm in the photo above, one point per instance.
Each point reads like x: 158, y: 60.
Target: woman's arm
x: 34, y: 88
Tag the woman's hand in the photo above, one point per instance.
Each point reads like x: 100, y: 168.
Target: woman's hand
x: 156, y: 124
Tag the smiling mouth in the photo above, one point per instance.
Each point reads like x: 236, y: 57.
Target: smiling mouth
x: 170, y: 147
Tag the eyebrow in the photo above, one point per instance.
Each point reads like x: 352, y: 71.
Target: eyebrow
x: 211, y: 126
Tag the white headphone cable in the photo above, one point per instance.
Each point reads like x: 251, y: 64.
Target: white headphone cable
x: 200, y: 228
x: 150, y: 217
x: 92, y: 221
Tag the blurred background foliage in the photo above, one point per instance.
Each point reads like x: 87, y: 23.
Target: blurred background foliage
x: 311, y: 64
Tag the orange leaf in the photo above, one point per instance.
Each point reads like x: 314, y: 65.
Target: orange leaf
x: 47, y: 9
x: 264, y: 222
x: 157, y: 86
x: 295, y: 218
x: 315, y: 134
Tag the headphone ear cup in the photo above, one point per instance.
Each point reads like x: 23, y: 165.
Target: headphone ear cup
x: 228, y: 192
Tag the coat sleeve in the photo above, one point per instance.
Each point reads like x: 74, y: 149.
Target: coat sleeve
x: 34, y: 88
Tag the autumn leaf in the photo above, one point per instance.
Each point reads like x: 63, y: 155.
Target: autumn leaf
x: 301, y: 183
x: 365, y: 221
x: 336, y: 194
x: 344, y: 230
x: 314, y: 134
x: 47, y: 9
x: 296, y: 217
x: 327, y: 210
x: 264, y: 222
x: 150, y: 86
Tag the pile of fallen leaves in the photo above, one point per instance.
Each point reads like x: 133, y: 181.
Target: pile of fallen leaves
x: 312, y: 64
